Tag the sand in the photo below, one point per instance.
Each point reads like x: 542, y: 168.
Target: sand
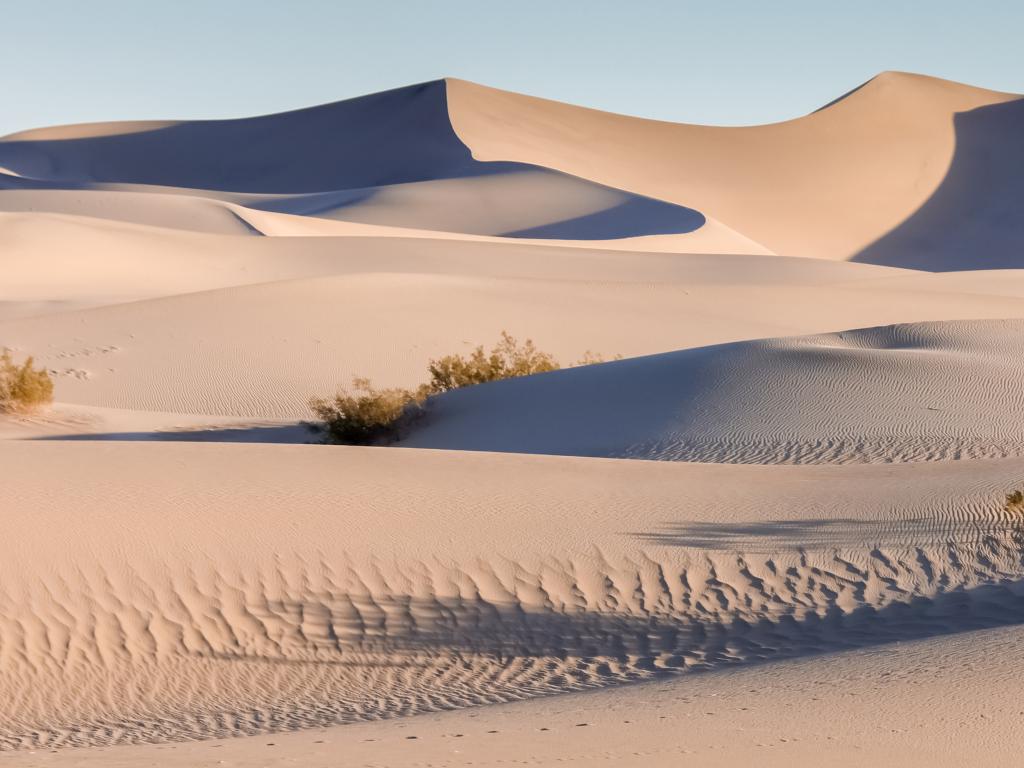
x: 775, y: 531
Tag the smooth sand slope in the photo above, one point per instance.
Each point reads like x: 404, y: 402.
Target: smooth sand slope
x: 894, y: 393
x: 278, y: 343
x: 906, y: 170
x: 390, y: 158
x: 780, y: 295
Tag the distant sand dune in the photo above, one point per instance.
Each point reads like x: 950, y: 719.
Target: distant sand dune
x: 877, y: 176
x: 827, y: 185
x: 377, y: 146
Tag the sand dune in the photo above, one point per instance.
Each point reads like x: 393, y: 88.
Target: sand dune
x: 877, y: 176
x: 832, y: 184
x: 888, y: 705
x: 897, y: 393
x: 526, y: 204
x: 277, y: 153
x: 247, y: 620
x: 177, y: 570
x: 279, y: 343
x: 368, y: 179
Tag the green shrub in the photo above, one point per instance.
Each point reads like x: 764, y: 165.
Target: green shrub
x: 366, y: 416
x: 506, y: 360
x: 23, y: 387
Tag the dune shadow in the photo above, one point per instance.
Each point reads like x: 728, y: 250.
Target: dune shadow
x: 315, y: 162
x: 611, y: 647
x: 276, y: 433
x: 395, y: 136
x: 975, y: 217
x: 822, y: 533
x: 635, y: 217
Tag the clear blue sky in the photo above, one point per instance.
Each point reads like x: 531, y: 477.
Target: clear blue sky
x: 718, y: 61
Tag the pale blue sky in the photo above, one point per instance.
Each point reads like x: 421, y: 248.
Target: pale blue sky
x: 719, y: 61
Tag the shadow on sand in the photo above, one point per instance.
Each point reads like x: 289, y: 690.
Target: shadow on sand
x: 826, y: 534
x: 277, y: 433
x: 637, y: 644
x: 975, y: 218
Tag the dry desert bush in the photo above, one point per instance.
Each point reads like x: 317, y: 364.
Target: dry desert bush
x: 370, y: 416
x: 1014, y: 504
x: 506, y: 360
x: 23, y: 387
x: 365, y: 416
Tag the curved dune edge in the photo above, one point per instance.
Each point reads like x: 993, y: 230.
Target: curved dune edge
x: 355, y: 160
x: 848, y: 562
x: 89, y: 130
x: 887, y: 174
x: 245, y: 620
x: 889, y: 146
x: 281, y: 342
x: 191, y: 212
x: 918, y: 392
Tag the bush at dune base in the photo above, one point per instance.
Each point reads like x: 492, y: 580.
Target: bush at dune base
x: 366, y: 416
x: 23, y: 387
x: 370, y: 416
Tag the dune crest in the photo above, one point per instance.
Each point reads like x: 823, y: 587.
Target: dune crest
x: 891, y: 394
x: 800, y: 470
x: 826, y: 185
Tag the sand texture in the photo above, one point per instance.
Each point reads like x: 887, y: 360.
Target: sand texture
x: 772, y: 529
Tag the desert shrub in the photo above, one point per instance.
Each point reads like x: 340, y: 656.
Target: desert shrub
x: 23, y: 387
x: 507, y: 359
x: 593, y: 358
x: 1015, y: 503
x: 370, y: 416
x: 365, y: 416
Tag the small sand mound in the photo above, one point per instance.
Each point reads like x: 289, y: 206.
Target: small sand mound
x: 926, y: 391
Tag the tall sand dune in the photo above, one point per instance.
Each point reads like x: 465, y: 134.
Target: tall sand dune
x: 868, y: 177
x: 261, y: 351
x: 355, y: 160
x: 906, y: 170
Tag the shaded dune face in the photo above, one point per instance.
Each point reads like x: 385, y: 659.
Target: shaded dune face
x: 896, y: 393
x: 171, y: 569
x: 353, y: 161
x: 385, y: 138
x: 975, y: 217
x: 826, y: 185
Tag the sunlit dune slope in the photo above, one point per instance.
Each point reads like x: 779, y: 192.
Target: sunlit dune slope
x: 933, y: 162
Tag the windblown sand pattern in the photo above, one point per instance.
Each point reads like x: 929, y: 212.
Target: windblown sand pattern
x: 800, y: 465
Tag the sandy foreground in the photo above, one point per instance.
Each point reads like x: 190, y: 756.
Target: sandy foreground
x: 775, y: 530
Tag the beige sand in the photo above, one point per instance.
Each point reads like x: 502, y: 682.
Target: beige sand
x: 535, y: 591
x: 272, y: 587
x: 894, y: 705
x: 826, y: 185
